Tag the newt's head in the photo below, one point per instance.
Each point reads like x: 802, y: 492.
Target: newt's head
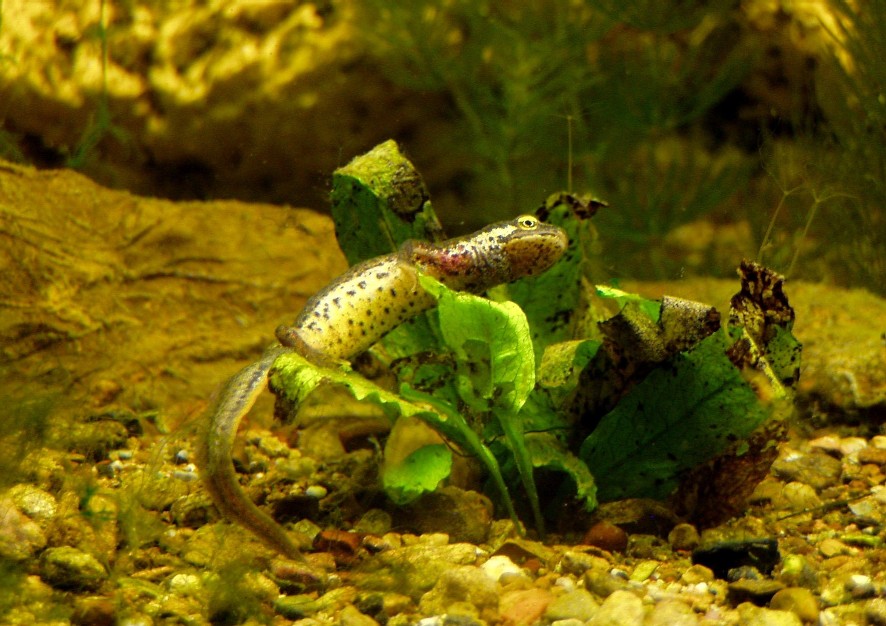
x: 530, y: 245
x: 500, y: 253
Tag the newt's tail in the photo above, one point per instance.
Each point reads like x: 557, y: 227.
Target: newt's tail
x: 216, y: 444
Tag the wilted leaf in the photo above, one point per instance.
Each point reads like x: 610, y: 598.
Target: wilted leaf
x: 683, y: 413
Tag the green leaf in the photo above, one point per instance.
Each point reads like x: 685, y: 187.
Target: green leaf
x: 683, y: 413
x: 562, y: 365
x: 418, y: 473
x: 492, y: 345
x: 293, y: 378
x: 548, y: 452
x: 495, y: 366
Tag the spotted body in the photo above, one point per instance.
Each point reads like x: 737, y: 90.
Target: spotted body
x: 352, y: 313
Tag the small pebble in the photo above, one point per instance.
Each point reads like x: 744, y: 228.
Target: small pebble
x: 751, y: 615
x: 797, y: 600
x: 832, y: 547
x: 875, y: 612
x: 697, y: 574
x: 578, y: 604
x: 607, y: 536
x: 498, y: 566
x: 672, y: 613
x: 860, y: 586
x: 316, y: 491
x: 683, y: 537
x: 621, y: 608
x: 800, y: 497
x: 70, y: 569
x: 816, y: 469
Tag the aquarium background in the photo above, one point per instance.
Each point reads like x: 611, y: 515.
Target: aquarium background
x: 714, y: 130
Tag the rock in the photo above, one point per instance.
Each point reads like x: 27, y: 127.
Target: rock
x: 800, y: 497
x: 94, y: 611
x: 756, y: 616
x: 578, y: 604
x: 297, y: 606
x: 602, y: 583
x: 860, y: 586
x: 683, y: 537
x: 671, y: 613
x: 797, y: 572
x: 697, y: 574
x: 41, y: 506
x: 577, y: 563
x: 500, y: 566
x: 350, y: 616
x: 20, y: 537
x: 644, y: 570
x: 638, y: 516
x: 797, y: 600
x: 757, y: 591
x: 420, y: 566
x: 606, y: 536
x: 70, y: 569
x: 875, y: 612
x: 459, y: 586
x: 464, y: 515
x: 524, y: 606
x: 374, y: 522
x: 816, y: 469
x: 621, y: 608
x: 877, y: 456
x: 831, y: 547
x: 193, y: 511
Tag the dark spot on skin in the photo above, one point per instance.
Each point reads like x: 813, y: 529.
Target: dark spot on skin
x: 362, y: 284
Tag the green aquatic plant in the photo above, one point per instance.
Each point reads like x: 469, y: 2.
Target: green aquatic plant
x: 512, y: 71
x: 852, y: 88
x: 24, y: 429
x: 478, y: 375
x: 101, y: 124
x: 633, y: 80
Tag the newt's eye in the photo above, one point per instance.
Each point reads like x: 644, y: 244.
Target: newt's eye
x: 527, y: 222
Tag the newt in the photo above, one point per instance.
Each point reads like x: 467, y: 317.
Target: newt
x: 351, y: 314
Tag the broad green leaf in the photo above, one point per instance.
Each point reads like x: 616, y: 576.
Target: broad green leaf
x: 418, y: 473
x: 492, y: 345
x: 684, y: 412
x: 495, y: 366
